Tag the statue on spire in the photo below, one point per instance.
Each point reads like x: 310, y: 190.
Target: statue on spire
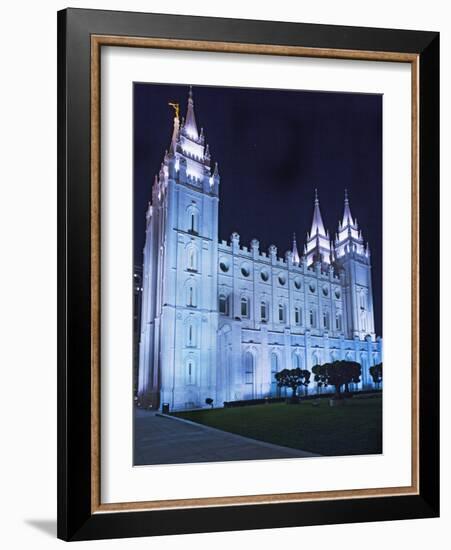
x: 176, y: 108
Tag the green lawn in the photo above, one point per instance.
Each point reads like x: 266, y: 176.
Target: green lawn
x: 354, y: 428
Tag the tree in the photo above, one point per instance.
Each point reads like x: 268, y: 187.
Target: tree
x: 209, y: 401
x: 293, y: 378
x: 338, y: 374
x: 376, y: 373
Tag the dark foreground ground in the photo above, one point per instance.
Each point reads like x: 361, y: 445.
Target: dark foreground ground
x: 169, y: 440
x: 352, y: 429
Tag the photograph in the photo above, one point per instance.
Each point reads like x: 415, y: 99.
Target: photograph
x: 248, y: 231
x: 257, y: 273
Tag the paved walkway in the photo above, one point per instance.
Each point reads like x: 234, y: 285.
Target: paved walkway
x: 168, y: 440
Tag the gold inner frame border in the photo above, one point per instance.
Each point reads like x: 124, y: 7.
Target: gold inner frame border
x: 97, y: 41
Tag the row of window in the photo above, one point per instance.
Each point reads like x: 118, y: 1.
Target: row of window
x: 249, y: 365
x: 224, y: 266
x: 282, y: 313
x: 245, y: 309
x: 264, y: 274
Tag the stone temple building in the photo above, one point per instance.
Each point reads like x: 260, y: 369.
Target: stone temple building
x: 219, y: 319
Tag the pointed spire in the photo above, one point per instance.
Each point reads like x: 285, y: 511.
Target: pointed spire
x: 318, y: 247
x: 349, y: 238
x: 347, y: 216
x: 317, y: 223
x: 296, y: 257
x: 216, y: 171
x: 190, y: 122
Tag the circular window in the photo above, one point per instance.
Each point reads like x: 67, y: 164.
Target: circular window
x: 297, y: 283
x: 245, y: 271
x: 264, y: 275
x: 337, y: 293
x: 224, y: 265
x: 325, y: 291
x: 312, y: 287
x: 282, y: 279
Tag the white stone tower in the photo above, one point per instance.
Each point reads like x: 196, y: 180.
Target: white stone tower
x: 353, y: 258
x: 179, y: 317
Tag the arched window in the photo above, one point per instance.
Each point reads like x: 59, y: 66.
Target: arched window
x: 297, y: 315
x: 363, y: 320
x: 274, y: 364
x: 190, y: 372
x: 312, y: 315
x: 248, y: 368
x: 244, y: 306
x: 362, y: 300
x: 191, y: 294
x: 264, y: 311
x: 326, y: 320
x: 315, y: 358
x: 193, y: 220
x: 192, y: 259
x: 338, y: 320
x: 281, y: 313
x: 297, y: 361
x: 223, y: 304
x: 274, y: 371
x: 191, y: 334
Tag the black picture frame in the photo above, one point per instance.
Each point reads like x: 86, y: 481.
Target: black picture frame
x: 76, y: 520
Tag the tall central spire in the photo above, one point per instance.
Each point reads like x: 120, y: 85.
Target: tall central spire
x: 317, y: 248
x: 190, y: 121
x: 188, y: 159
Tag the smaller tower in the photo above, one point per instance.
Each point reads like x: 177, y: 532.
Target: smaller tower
x: 352, y: 258
x: 349, y: 237
x: 317, y: 247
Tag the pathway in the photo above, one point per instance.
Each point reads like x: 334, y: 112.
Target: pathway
x: 167, y: 440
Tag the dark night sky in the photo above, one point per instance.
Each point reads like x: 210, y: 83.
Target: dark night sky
x: 273, y: 148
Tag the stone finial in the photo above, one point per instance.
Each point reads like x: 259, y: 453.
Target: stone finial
x: 149, y: 212
x: 235, y: 242
x: 255, y: 244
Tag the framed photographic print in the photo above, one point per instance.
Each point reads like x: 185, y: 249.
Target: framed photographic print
x: 248, y: 274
